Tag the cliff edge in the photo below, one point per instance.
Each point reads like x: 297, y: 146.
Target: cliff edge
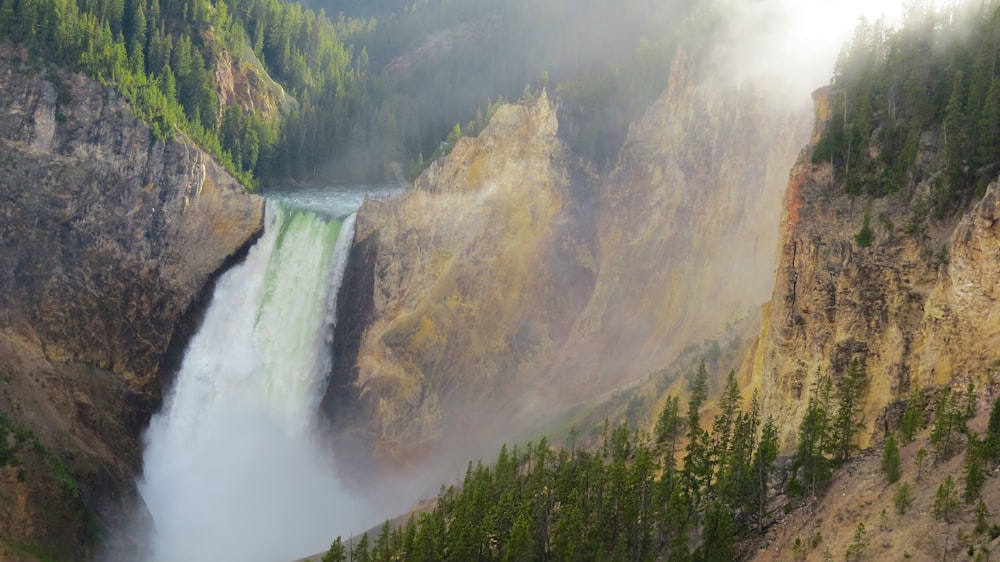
x: 109, y: 239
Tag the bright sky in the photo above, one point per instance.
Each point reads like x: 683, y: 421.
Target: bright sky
x: 794, y: 43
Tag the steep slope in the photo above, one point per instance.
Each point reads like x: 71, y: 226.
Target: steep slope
x: 686, y: 223
x: 889, y: 244
x: 861, y: 494
x: 459, y: 292
x: 510, y: 284
x: 917, y: 307
x: 108, y: 239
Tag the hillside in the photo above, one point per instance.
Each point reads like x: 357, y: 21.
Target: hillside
x: 892, y: 266
x: 100, y: 292
x: 881, y: 323
x: 512, y: 276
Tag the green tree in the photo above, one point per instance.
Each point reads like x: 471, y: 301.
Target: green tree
x: 890, y: 460
x: 719, y: 534
x: 864, y: 237
x: 902, y: 498
x: 975, y: 473
x: 697, y: 464
x: 337, y: 552
x: 668, y: 426
x: 948, y: 427
x: 913, y: 416
x: 520, y: 547
x: 850, y: 390
x: 859, y: 542
x: 946, y: 501
x: 918, y: 460
x: 991, y: 441
x: 361, y: 552
x: 814, y: 431
x: 763, y: 467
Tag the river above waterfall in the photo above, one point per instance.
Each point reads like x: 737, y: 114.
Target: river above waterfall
x: 334, y: 201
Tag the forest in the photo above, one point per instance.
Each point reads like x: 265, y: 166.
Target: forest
x: 370, y: 99
x: 687, y: 492
x: 704, y: 488
x: 936, y: 75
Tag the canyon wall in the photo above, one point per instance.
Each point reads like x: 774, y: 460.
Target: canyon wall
x: 916, y: 307
x: 109, y: 242
x: 512, y: 283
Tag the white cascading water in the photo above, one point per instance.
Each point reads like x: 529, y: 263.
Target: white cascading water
x: 231, y: 468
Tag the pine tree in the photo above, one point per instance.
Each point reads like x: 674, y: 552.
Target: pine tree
x: 946, y: 502
x: 697, y: 465
x: 859, y: 542
x: 890, y: 460
x: 810, y: 454
x: 667, y: 430
x: 850, y: 390
x: 956, y: 136
x: 902, y: 498
x: 975, y: 474
x: 991, y: 441
x: 763, y: 466
x: 948, y: 424
x: 677, y: 524
x: 361, y: 551
x: 337, y: 552
x: 988, y: 146
x: 520, y: 547
x: 913, y: 415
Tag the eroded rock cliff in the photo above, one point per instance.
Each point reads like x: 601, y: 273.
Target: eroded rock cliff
x: 464, y: 287
x: 686, y: 224
x: 917, y: 306
x: 108, y: 239
x: 510, y: 282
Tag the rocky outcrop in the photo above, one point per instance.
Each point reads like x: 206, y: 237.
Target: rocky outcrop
x: 461, y: 291
x: 686, y: 224
x: 244, y: 83
x: 916, y: 307
x: 511, y: 283
x: 108, y: 239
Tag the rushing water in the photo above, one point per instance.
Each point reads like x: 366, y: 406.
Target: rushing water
x: 231, y: 467
x: 333, y: 202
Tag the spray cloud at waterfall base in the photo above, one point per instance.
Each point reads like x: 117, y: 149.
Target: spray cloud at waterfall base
x: 232, y: 470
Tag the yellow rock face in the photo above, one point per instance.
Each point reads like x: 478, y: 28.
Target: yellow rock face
x: 914, y: 308
x: 510, y: 283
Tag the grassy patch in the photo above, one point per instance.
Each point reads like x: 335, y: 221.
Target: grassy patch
x: 41, y: 553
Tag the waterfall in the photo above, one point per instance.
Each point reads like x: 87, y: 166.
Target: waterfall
x: 231, y: 467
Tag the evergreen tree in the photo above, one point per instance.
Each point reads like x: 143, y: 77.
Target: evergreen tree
x: 337, y: 552
x: 763, y: 467
x: 913, y: 416
x: 903, y: 497
x: 668, y: 427
x: 520, y: 547
x: 991, y: 441
x: 697, y: 464
x: 946, y: 502
x: 975, y: 473
x: 890, y: 460
x: 948, y: 425
x: 859, y: 542
x: 810, y: 454
x: 361, y: 551
x: 850, y: 391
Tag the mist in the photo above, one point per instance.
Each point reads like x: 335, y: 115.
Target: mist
x: 790, y: 46
x: 234, y: 467
x: 248, y: 477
